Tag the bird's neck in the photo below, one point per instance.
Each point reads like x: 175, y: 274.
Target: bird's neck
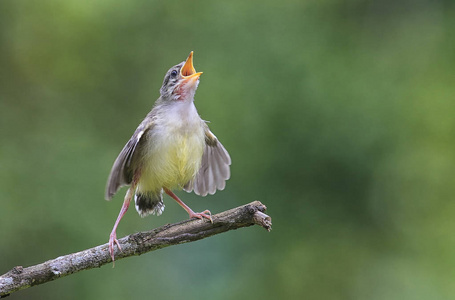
x: 185, y: 92
x: 177, y: 114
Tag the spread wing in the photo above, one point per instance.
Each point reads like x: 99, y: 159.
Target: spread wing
x: 214, y: 169
x: 122, y: 170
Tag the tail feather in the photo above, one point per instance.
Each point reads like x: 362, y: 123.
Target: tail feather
x: 149, y: 204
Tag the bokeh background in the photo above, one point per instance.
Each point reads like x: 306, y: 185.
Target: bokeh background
x: 338, y: 115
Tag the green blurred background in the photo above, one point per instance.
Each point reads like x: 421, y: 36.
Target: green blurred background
x: 338, y: 115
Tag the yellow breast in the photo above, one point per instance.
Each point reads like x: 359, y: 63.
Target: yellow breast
x: 172, y: 160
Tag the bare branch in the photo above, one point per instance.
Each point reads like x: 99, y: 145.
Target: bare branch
x: 135, y: 244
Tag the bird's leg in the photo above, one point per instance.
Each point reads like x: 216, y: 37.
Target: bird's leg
x: 205, y: 214
x: 126, y: 203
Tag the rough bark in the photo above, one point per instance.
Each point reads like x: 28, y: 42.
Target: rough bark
x: 135, y: 244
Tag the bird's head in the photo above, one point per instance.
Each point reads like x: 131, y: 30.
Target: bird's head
x: 181, y: 81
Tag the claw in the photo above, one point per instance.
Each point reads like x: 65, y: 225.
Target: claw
x: 112, y: 242
x: 205, y: 214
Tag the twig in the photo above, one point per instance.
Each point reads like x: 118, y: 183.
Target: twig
x: 135, y: 244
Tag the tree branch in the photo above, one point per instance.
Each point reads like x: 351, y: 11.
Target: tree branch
x: 135, y: 244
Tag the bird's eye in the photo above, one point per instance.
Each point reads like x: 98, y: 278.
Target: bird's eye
x: 174, y: 73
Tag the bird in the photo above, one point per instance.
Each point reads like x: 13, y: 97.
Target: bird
x: 172, y: 148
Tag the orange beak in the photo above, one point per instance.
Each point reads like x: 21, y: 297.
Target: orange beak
x: 188, y: 72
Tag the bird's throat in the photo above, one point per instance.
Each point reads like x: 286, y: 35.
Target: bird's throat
x: 186, y: 90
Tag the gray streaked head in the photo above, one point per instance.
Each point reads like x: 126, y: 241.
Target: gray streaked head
x: 180, y: 82
x: 170, y: 80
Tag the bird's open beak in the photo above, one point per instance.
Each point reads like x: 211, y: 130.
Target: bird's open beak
x: 188, y: 72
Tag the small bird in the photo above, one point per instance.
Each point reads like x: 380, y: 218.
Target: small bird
x: 172, y: 148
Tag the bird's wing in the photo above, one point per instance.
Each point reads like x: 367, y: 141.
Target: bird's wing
x: 122, y: 172
x: 214, y: 169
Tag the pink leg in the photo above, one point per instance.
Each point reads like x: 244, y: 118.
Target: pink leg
x: 205, y: 214
x: 113, y: 237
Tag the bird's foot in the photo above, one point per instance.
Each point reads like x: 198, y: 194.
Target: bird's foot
x: 205, y: 214
x: 112, y: 242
